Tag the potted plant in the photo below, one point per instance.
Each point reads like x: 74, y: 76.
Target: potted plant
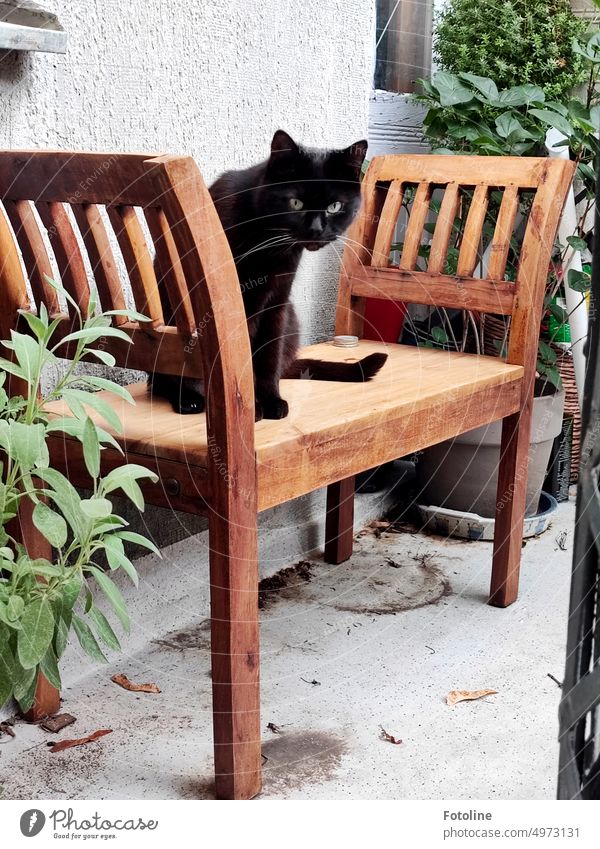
x: 472, y: 113
x: 42, y: 601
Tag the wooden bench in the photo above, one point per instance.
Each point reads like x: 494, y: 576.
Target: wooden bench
x: 224, y: 466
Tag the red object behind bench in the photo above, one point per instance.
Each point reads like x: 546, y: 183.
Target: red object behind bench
x: 384, y: 320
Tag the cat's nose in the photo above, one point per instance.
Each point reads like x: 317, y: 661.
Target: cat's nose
x: 315, y: 229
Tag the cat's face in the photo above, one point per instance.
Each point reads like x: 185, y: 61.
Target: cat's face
x: 311, y: 196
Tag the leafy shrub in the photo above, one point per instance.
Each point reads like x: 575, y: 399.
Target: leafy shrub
x: 514, y: 42
x: 42, y: 601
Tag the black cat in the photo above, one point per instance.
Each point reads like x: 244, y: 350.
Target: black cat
x: 296, y: 199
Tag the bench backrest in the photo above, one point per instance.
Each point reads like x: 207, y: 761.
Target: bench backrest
x: 65, y: 212
x: 436, y: 260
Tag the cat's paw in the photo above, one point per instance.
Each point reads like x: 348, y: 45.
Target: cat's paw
x: 258, y: 411
x: 274, y: 407
x: 189, y: 403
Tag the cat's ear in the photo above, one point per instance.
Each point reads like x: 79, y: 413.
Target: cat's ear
x: 354, y: 156
x: 282, y: 142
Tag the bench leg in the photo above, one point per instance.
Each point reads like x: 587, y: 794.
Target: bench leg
x: 235, y: 657
x: 339, y: 521
x: 47, y: 698
x: 510, y: 508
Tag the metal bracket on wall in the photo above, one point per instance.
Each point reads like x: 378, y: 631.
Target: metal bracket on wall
x: 26, y: 26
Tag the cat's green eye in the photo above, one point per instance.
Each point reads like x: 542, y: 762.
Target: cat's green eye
x: 334, y: 207
x: 296, y: 204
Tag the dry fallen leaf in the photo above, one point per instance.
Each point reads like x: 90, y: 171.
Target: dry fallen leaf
x: 123, y: 681
x: 6, y: 728
x: 57, y: 722
x: 81, y: 741
x: 389, y: 738
x: 455, y: 696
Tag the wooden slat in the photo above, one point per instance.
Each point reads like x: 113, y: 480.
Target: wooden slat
x: 503, y: 233
x: 13, y: 296
x: 171, y: 272
x: 471, y: 239
x: 63, y: 242
x: 443, y: 229
x: 33, y: 250
x: 414, y: 229
x: 138, y: 261
x: 162, y: 350
x: 100, y: 254
x: 57, y: 175
x: 417, y: 287
x: 524, y: 171
x: 387, y: 226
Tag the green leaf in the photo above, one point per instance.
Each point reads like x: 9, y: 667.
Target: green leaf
x: 96, y: 508
x: 439, y: 335
x: 121, y: 477
x: 132, y: 315
x: 113, y: 594
x: 66, y: 498
x: 70, y: 592
x: 37, y: 630
x: 107, y: 386
x: 104, y: 629
x: 579, y: 281
x: 577, y: 243
x: 28, y: 354
x: 45, y: 569
x: 51, y: 525
x: 91, y: 334
x: 7, y: 667
x: 509, y: 127
x: 586, y: 172
x: 450, y: 89
x: 25, y: 443
x: 116, y: 557
x: 91, y: 449
x: 547, y: 354
x: 485, y: 85
x: 559, y: 312
x: 521, y: 95
x: 61, y: 637
x: 14, y: 607
x: 36, y: 324
x: 87, y: 641
x: 78, y: 397
x: 25, y: 681
x: 49, y: 667
x: 553, y: 119
x: 138, y: 539
x: 74, y: 427
x: 103, y: 356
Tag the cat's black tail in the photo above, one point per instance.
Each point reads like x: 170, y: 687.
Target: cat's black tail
x: 357, y: 372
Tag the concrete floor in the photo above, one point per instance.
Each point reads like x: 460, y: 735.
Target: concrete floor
x: 374, y: 643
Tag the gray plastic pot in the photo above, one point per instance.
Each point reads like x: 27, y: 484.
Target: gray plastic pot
x: 462, y: 473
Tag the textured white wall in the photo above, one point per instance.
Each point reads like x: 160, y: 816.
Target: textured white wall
x: 210, y: 78
x: 214, y: 79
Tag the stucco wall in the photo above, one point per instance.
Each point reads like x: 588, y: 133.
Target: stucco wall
x: 214, y: 79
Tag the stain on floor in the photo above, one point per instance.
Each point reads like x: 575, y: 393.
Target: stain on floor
x: 296, y: 758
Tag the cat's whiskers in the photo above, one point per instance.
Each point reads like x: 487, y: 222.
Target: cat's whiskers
x: 349, y: 244
x: 271, y: 242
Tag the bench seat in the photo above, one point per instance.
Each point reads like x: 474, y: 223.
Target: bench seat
x: 420, y: 397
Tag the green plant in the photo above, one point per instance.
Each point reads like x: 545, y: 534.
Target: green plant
x: 469, y: 114
x: 42, y: 601
x: 514, y: 42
